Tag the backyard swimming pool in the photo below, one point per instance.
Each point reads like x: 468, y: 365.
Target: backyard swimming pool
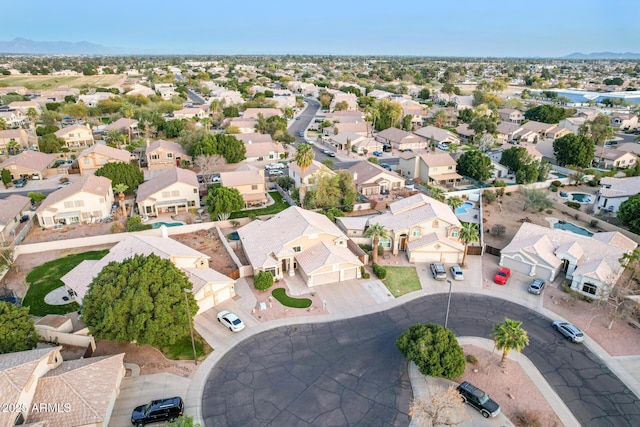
x: 464, y: 208
x: 567, y: 226
x: 166, y: 224
x: 581, y: 197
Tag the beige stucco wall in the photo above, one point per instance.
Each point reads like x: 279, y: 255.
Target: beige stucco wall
x: 92, y: 206
x: 184, y: 192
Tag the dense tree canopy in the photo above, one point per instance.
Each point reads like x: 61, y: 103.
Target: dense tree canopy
x: 434, y: 349
x: 476, y: 165
x: 598, y: 129
x: 223, y: 201
x: 275, y: 126
x: 576, y: 150
x: 629, y: 213
x: 483, y: 124
x: 228, y: 146
x: 50, y: 143
x: 546, y: 113
x: 17, y: 332
x: 140, y: 299
x: 387, y: 114
x: 122, y: 173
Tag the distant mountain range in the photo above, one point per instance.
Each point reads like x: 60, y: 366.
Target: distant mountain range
x: 603, y: 55
x: 26, y: 46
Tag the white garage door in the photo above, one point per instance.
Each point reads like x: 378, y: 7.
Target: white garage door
x: 417, y: 256
x: 350, y: 273
x: 205, y: 304
x: 223, y: 294
x: 321, y: 279
x: 516, y: 265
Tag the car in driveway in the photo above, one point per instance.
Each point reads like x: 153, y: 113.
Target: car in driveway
x: 502, y: 275
x: 275, y: 166
x: 569, y: 331
x: 274, y: 172
x: 21, y: 183
x: 157, y: 411
x: 64, y: 184
x: 456, y: 272
x: 377, y: 153
x: 438, y: 271
x: 230, y: 321
x: 331, y: 154
x: 478, y: 399
x: 386, y: 166
x: 536, y: 287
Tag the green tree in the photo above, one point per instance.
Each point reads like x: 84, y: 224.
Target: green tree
x: 437, y: 193
x: 76, y: 111
x: 528, y: 173
x: 389, y: 114
x: 376, y: 232
x: 484, y: 124
x: 468, y: 234
x: 172, y: 128
x: 546, y: 113
x: 454, y: 202
x: 476, y: 165
x: 120, y: 189
x: 3, y: 124
x: 263, y: 280
x: 508, y: 336
x: 50, y: 143
x: 122, y: 173
x: 629, y: 213
x: 36, y: 197
x: 515, y: 157
x: 135, y: 224
x: 424, y: 93
x: 304, y: 158
x: 577, y: 150
x: 231, y: 111
x: 140, y: 299
x: 223, y: 201
x: 598, y: 130
x: 6, y: 177
x: 434, y: 349
x: 536, y: 200
x: 17, y: 332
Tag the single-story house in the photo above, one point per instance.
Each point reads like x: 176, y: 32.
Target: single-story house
x: 260, y: 147
x: 400, y: 139
x: 440, y: 136
x: 28, y: 163
x: 614, y: 191
x: 170, y: 191
x: 199, y: 112
x: 612, y: 158
x: 123, y: 125
x: 253, y: 113
x: 371, y: 179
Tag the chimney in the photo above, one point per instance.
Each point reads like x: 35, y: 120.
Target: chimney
x: 164, y: 231
x: 355, y: 176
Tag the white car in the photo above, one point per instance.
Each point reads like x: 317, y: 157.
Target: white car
x: 309, y: 141
x: 456, y: 272
x: 230, y: 321
x: 275, y: 166
x: 274, y: 172
x: 64, y: 184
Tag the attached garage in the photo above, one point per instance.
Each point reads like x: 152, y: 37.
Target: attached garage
x: 522, y: 265
x: 324, y: 278
x: 433, y: 249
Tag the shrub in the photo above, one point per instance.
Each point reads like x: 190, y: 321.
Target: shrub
x: 380, y: 250
x: 509, y: 193
x: 593, y: 223
x: 263, y: 280
x: 553, y: 188
x: 135, y: 224
x: 364, y: 273
x: 573, y: 205
x: 556, y: 183
x: 379, y: 271
x: 365, y: 247
x: 117, y: 227
x: 498, y: 229
x: 489, y: 196
x: 471, y: 359
x: 527, y: 418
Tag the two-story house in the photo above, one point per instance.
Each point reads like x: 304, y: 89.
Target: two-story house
x: 249, y: 182
x: 124, y: 125
x: 76, y: 136
x: 260, y: 147
x: 88, y: 199
x: 163, y: 154
x: 11, y: 210
x: 624, y: 120
x: 438, y: 169
x: 614, y: 191
x: 511, y: 115
x: 98, y: 155
x: 169, y: 191
x: 371, y: 179
x: 609, y: 158
x: 400, y: 140
x: 311, y: 174
x: 13, y: 141
x: 13, y: 119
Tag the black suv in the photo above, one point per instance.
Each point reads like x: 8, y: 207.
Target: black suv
x: 438, y: 271
x: 158, y: 410
x: 478, y: 399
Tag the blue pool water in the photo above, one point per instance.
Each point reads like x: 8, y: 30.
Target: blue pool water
x: 581, y: 197
x: 464, y: 208
x: 572, y: 228
x: 166, y: 224
x: 559, y: 175
x: 233, y: 236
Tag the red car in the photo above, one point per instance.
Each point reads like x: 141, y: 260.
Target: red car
x: 502, y: 276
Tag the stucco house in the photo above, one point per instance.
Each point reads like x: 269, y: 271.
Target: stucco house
x: 86, y: 200
x: 98, y: 155
x: 75, y: 393
x: 210, y: 287
x: 303, y: 242
x: 591, y: 263
x: 400, y: 139
x: 511, y: 115
x: 440, y: 136
x: 12, y: 137
x: 572, y: 124
x: 163, y: 154
x: 311, y: 173
x: 371, y: 179
x: 425, y: 228
x: 612, y: 158
x: 171, y: 191
x: 254, y: 113
x: 350, y: 99
x: 249, y: 182
x: 124, y: 125
x: 614, y: 191
x: 260, y: 147
x: 28, y: 163
x: 506, y: 131
x: 13, y: 119
x: 624, y: 120
x: 243, y: 125
x: 539, y: 128
x: 199, y: 112
x: 76, y: 136
x: 11, y: 211
x: 432, y: 168
x: 361, y: 128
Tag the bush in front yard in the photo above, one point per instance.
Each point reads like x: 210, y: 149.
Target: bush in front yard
x: 379, y: 271
x: 364, y: 273
x: 574, y: 205
x: 263, y: 280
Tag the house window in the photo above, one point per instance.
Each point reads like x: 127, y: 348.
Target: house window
x: 589, y: 288
x: 385, y: 242
x: 170, y: 155
x: 271, y: 270
x: 195, y: 190
x: 175, y: 193
x: 166, y: 194
x: 454, y: 233
x: 79, y: 203
x: 86, y: 162
x: 450, y: 167
x: 101, y: 199
x: 154, y: 157
x: 68, y: 205
x: 415, y: 232
x: 297, y: 248
x: 254, y: 187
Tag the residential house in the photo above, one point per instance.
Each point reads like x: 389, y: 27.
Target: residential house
x: 612, y: 158
x: 506, y: 131
x: 300, y: 241
x: 249, y: 182
x: 400, y: 140
x: 163, y: 154
x: 511, y: 115
x: 624, y: 120
x: 254, y: 113
x: 361, y: 128
x: 125, y: 126
x: 170, y: 191
x: 12, y: 208
x: 86, y: 200
x: 451, y: 114
x: 354, y: 226
x: 425, y: 228
x: 98, y: 155
x: 439, y: 136
x: 614, y: 191
x: 572, y: 124
x: 590, y: 263
x: 260, y: 147
x: 244, y: 125
x: 166, y: 90
x: 28, y: 163
x: 350, y: 99
x: 540, y: 128
x: 532, y: 151
x: 24, y: 106
x: 138, y: 89
x: 311, y: 173
x: 371, y: 179
x: 500, y: 171
x: 198, y: 112
x: 76, y: 136
x: 92, y: 100
x: 210, y: 287
x: 437, y: 169
x: 20, y: 90
x: 74, y: 393
x: 12, y: 141
x: 13, y: 119
x: 557, y: 132
x: 346, y: 116
x: 416, y: 110
x: 465, y: 133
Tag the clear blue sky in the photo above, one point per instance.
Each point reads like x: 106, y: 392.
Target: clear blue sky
x: 513, y: 28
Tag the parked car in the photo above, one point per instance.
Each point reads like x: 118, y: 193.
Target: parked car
x: 274, y: 172
x: 231, y: 321
x: 387, y: 166
x: 438, y: 271
x: 326, y: 151
x: 456, y: 272
x: 478, y: 399
x: 275, y: 166
x: 502, y: 275
x: 443, y: 147
x: 301, y: 133
x: 21, y: 183
x: 309, y: 141
x: 571, y: 332
x: 158, y: 410
x: 377, y: 153
x: 331, y: 154
x: 536, y: 287
x: 64, y: 184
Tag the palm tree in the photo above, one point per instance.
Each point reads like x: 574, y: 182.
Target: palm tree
x: 303, y: 158
x: 120, y: 189
x: 206, y: 122
x: 509, y: 336
x: 32, y: 114
x: 437, y: 193
x: 454, y: 202
x: 376, y: 232
x: 128, y: 111
x: 468, y: 233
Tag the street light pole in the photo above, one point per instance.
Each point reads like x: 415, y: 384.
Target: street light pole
x: 193, y: 344
x: 446, y: 319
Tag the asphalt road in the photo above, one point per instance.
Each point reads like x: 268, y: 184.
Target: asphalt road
x: 349, y: 372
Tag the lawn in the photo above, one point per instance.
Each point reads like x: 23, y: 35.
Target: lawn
x: 281, y: 295
x: 273, y: 209
x: 183, y: 350
x: 46, y: 277
x: 402, y: 280
x: 46, y: 82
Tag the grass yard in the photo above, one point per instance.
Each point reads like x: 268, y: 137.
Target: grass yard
x: 46, y: 277
x: 183, y: 350
x: 281, y: 295
x: 49, y: 82
x: 402, y: 280
x: 273, y: 209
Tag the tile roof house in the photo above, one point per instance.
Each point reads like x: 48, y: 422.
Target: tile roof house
x: 249, y: 181
x: 612, y: 158
x: 260, y: 147
x: 14, y: 139
x: 371, y: 179
x: 297, y: 240
x: 572, y: 124
x: 311, y: 173
x: 170, y: 191
x: 11, y: 211
x: 190, y: 113
x: 75, y: 393
x: 614, y: 191
x: 76, y: 136
x: 539, y: 127
x: 400, y: 139
x: 440, y: 136
x: 506, y: 131
x: 432, y: 168
x: 464, y: 132
x: 163, y: 154
x: 28, y: 163
x: 88, y: 199
x: 361, y: 128
x: 98, y: 155
x: 349, y: 98
x: 591, y: 263
x: 424, y: 227
x: 343, y: 116
x: 244, y: 125
x: 209, y: 286
x: 253, y: 113
x: 349, y: 141
x: 24, y: 106
x: 123, y: 125
x: 14, y: 118
x: 511, y: 115
x: 624, y: 120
